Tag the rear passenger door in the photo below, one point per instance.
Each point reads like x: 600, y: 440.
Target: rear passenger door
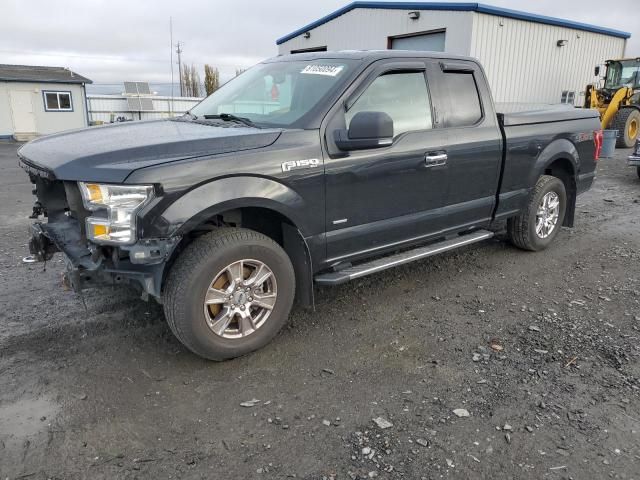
x: 471, y: 138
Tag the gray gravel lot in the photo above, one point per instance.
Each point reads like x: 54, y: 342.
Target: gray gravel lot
x: 541, y: 349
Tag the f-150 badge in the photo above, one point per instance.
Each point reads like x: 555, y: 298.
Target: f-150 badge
x: 296, y: 164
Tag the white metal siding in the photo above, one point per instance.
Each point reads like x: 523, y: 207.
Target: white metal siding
x: 106, y: 108
x: 521, y: 58
x: 524, y: 63
x: 369, y: 28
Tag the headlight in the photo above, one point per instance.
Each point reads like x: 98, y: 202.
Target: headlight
x: 118, y: 205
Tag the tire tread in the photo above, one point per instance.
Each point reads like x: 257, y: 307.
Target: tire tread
x: 195, y: 253
x: 518, y: 227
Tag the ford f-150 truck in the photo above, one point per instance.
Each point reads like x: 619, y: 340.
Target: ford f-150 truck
x: 314, y: 168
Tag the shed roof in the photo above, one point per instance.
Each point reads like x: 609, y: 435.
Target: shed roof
x: 457, y: 6
x: 34, y: 73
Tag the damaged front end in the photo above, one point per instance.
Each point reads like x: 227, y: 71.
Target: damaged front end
x: 98, y: 249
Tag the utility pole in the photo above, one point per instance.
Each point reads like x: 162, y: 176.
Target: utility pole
x: 171, y: 62
x: 179, y: 51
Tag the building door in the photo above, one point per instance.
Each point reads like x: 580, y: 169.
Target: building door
x: 433, y: 42
x: 24, y: 120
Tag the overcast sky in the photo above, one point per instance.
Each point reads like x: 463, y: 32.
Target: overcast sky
x: 115, y: 40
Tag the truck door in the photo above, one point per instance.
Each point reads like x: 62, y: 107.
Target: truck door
x: 383, y: 197
x: 471, y: 140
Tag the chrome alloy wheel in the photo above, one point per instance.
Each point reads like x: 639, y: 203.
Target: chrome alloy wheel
x: 240, y: 299
x: 547, y: 214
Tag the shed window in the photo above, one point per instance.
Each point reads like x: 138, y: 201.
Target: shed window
x: 57, y: 101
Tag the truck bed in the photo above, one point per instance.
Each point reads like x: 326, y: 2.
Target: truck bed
x: 514, y: 114
x: 528, y: 131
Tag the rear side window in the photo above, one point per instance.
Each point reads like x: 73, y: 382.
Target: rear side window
x: 463, y: 99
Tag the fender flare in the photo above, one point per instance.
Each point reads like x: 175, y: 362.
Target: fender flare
x: 558, y: 149
x: 217, y: 196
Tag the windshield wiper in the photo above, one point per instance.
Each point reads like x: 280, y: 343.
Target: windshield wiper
x: 189, y: 114
x: 229, y: 117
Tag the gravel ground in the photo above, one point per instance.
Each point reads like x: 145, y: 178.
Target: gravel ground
x: 487, y: 362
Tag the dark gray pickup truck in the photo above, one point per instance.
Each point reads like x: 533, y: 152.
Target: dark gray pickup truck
x: 311, y: 168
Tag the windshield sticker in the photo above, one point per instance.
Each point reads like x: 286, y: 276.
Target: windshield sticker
x: 329, y: 70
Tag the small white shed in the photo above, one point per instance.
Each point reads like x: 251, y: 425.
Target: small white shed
x: 528, y: 58
x: 40, y: 100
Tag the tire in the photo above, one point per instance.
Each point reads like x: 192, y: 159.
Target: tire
x: 638, y: 170
x: 626, y: 121
x: 522, y: 229
x: 200, y: 268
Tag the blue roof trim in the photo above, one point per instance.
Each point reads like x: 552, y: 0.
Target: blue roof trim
x: 457, y: 6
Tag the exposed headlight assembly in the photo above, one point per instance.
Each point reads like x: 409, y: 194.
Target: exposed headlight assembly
x: 115, y: 207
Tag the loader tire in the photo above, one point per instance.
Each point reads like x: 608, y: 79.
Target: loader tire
x: 627, y: 122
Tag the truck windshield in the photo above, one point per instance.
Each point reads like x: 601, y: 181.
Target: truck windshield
x: 276, y: 94
x: 624, y: 73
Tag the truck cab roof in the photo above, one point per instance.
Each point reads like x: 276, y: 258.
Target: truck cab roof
x: 370, y: 55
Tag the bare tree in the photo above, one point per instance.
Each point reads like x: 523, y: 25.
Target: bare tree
x: 186, y: 82
x: 211, y: 79
x: 195, y: 82
x: 240, y: 71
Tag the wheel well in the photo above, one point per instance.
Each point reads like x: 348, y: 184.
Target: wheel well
x: 269, y: 222
x: 563, y: 169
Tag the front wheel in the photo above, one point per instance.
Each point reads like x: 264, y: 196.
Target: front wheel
x: 539, y: 223
x: 229, y: 293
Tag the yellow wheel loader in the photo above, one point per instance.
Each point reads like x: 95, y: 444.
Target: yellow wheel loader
x: 618, y: 101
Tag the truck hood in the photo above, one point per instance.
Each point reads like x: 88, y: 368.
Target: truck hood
x: 110, y: 153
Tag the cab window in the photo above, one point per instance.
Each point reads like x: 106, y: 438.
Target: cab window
x: 461, y: 92
x: 403, y: 96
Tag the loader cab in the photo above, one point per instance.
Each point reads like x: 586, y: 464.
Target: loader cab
x: 622, y: 73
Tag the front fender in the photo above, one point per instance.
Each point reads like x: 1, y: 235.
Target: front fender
x: 217, y: 196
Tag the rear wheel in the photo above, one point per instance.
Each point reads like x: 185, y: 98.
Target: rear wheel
x: 536, y: 227
x: 627, y: 122
x: 229, y: 293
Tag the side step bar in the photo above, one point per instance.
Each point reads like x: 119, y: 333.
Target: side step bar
x: 380, y: 264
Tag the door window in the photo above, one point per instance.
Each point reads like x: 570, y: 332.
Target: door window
x: 403, y: 96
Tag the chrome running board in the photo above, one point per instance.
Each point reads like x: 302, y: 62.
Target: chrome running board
x: 384, y: 263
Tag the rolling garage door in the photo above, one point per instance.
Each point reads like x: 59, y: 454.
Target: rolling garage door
x: 433, y: 42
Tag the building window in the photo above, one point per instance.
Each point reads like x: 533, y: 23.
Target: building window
x: 57, y: 101
x: 568, y: 97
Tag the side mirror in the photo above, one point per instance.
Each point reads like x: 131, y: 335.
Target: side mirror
x: 597, y: 71
x: 366, y: 130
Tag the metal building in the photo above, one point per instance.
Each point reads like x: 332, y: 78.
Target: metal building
x: 528, y: 58
x: 38, y: 100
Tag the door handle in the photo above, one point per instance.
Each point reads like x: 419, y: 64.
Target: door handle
x: 434, y: 159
